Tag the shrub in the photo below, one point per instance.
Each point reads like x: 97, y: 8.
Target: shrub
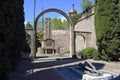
x: 89, y: 53
x: 107, y: 25
x: 40, y: 37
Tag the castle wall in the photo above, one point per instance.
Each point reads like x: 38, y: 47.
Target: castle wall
x: 62, y: 40
x: 86, y: 24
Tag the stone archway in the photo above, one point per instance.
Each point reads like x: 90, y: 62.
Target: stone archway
x: 86, y: 39
x: 70, y: 24
x: 80, y: 43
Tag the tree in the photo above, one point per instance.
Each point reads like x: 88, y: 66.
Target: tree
x: 28, y: 25
x: 40, y: 37
x: 107, y: 27
x: 65, y: 24
x: 13, y: 35
x: 86, y: 4
x: 75, y: 18
x: 57, y: 24
x: 40, y: 25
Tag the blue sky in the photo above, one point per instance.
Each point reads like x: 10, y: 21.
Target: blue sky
x: 64, y: 5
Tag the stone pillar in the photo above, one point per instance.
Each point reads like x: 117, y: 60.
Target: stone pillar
x: 88, y: 40
x: 48, y: 31
x: 72, y: 46
x: 33, y: 45
x: 75, y: 42
x: 48, y: 43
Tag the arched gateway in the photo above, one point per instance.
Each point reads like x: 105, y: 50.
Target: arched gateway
x: 33, y: 51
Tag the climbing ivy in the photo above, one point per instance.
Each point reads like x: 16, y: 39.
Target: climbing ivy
x: 75, y: 18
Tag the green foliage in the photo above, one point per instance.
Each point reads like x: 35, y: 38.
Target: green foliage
x: 40, y: 37
x: 57, y: 24
x: 65, y: 24
x: 13, y: 35
x: 28, y: 25
x: 40, y: 24
x: 86, y: 4
x: 107, y: 27
x: 75, y: 18
x: 89, y: 53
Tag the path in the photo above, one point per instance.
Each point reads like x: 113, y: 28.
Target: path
x: 39, y: 70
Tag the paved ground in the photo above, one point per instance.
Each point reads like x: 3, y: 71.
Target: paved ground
x: 46, y: 70
x: 113, y: 67
x: 41, y: 70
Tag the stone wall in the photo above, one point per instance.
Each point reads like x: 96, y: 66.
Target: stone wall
x: 86, y: 25
x: 79, y: 43
x: 30, y: 33
x: 62, y: 40
x: 84, y: 34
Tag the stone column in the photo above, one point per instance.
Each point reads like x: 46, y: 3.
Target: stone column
x: 48, y: 32
x: 88, y: 40
x: 75, y: 42
x: 72, y: 46
x: 33, y: 45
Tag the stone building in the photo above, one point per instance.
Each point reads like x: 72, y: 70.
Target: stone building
x: 85, y: 35
x: 62, y: 40
x: 72, y: 11
x: 84, y: 32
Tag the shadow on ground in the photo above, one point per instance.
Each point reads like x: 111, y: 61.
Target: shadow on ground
x: 60, y: 69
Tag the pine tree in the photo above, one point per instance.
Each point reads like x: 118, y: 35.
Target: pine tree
x: 108, y: 28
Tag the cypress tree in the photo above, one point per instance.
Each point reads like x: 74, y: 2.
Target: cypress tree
x: 12, y: 35
x: 107, y: 27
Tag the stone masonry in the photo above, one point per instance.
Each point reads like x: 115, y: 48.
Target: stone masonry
x: 84, y: 34
x: 62, y: 40
x: 86, y: 25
